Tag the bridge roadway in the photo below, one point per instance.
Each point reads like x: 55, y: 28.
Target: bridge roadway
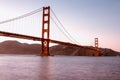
x: 14, y: 35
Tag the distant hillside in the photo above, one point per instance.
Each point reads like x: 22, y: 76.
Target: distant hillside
x: 15, y: 47
x: 76, y: 51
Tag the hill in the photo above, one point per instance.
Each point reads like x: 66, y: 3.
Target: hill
x: 15, y: 47
x: 76, y: 51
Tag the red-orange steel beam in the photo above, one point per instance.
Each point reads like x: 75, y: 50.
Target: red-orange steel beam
x: 14, y: 35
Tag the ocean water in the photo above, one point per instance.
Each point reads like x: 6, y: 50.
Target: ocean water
x: 32, y: 67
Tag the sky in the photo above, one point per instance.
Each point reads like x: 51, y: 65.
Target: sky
x: 83, y: 19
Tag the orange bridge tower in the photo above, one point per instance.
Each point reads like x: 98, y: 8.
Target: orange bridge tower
x: 96, y: 47
x: 45, y: 32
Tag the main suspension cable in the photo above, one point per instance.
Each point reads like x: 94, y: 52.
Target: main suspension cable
x: 61, y: 29
x: 22, y: 16
x: 64, y: 27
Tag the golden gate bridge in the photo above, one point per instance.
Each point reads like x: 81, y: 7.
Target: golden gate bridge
x: 45, y: 39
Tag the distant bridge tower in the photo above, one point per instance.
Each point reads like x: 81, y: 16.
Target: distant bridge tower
x: 45, y: 32
x: 96, y: 47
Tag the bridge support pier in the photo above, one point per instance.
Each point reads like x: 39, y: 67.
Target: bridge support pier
x: 45, y: 32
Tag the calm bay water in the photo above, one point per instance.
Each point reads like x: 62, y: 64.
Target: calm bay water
x: 31, y: 67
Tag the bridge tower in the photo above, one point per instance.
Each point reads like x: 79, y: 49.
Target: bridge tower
x: 45, y: 32
x: 96, y: 47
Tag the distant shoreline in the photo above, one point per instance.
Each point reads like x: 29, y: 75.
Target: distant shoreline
x: 17, y: 48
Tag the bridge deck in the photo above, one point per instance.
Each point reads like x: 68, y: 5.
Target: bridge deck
x: 14, y: 35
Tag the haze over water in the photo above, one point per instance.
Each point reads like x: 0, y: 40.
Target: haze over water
x: 31, y: 67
